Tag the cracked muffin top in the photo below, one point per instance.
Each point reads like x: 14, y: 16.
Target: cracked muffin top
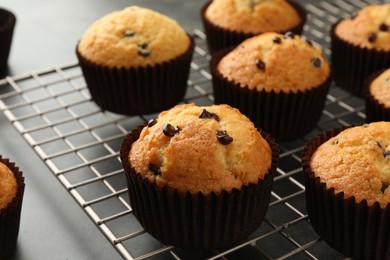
x: 8, y: 185
x: 369, y: 28
x: 357, y: 162
x: 275, y: 62
x: 133, y: 37
x: 253, y: 16
x: 201, y: 149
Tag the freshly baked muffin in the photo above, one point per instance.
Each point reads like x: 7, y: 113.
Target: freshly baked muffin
x: 377, y: 96
x: 210, y: 161
x: 135, y: 61
x: 228, y: 22
x: 11, y: 196
x: 7, y: 25
x: 360, y: 46
x: 347, y: 175
x: 279, y: 81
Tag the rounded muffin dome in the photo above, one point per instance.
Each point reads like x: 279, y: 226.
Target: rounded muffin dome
x: 275, y: 62
x: 357, y: 163
x: 133, y: 37
x: 201, y: 149
x: 254, y: 16
x: 370, y: 28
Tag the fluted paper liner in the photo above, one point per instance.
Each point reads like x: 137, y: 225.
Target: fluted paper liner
x: 10, y: 216
x: 354, y: 229
x: 219, y: 38
x: 285, y: 115
x: 196, y: 220
x: 7, y: 25
x: 375, y: 111
x: 352, y: 64
x: 138, y: 90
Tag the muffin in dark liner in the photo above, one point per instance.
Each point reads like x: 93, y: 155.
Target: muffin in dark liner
x: 10, y: 216
x: 138, y: 90
x: 354, y: 229
x: 285, y: 115
x: 7, y: 25
x: 375, y: 111
x: 195, y: 220
x: 219, y: 38
x: 352, y: 64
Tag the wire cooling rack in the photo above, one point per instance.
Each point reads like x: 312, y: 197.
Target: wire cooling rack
x: 79, y: 143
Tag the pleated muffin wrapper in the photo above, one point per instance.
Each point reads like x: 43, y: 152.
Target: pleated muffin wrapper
x: 219, y: 38
x: 197, y: 221
x: 352, y: 64
x: 138, y: 90
x: 354, y: 229
x: 375, y: 111
x: 285, y: 115
x: 7, y: 25
x: 10, y: 216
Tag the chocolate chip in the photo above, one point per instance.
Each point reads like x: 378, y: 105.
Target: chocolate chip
x: 260, y: 64
x: 383, y: 27
x: 354, y: 15
x: 372, y: 37
x: 277, y: 40
x: 152, y: 122
x: 144, y: 52
x: 316, y: 62
x: 170, y: 130
x: 208, y: 115
x: 288, y: 35
x: 155, y: 169
x: 128, y: 33
x: 335, y: 141
x: 386, y: 154
x: 223, y: 137
x: 384, y: 187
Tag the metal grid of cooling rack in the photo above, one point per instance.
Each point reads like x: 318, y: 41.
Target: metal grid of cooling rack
x: 53, y: 111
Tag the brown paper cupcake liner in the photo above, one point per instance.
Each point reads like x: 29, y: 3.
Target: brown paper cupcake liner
x: 7, y: 25
x: 10, y: 216
x: 137, y: 91
x: 375, y: 111
x: 354, y: 229
x: 352, y: 64
x: 285, y: 115
x: 219, y: 38
x: 195, y: 220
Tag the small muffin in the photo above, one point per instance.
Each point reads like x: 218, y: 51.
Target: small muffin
x: 135, y: 61
x: 11, y: 197
x: 360, y: 46
x: 347, y: 178
x: 202, y: 165
x: 228, y: 22
x: 377, y: 96
x: 7, y: 25
x: 279, y: 81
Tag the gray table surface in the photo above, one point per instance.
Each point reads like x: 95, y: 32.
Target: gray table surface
x: 53, y: 226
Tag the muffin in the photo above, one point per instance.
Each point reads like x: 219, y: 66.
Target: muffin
x: 199, y: 177
x: 135, y: 61
x: 228, y: 22
x: 347, y: 189
x: 360, y: 46
x: 11, y: 197
x: 279, y: 81
x: 377, y: 96
x: 7, y: 25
